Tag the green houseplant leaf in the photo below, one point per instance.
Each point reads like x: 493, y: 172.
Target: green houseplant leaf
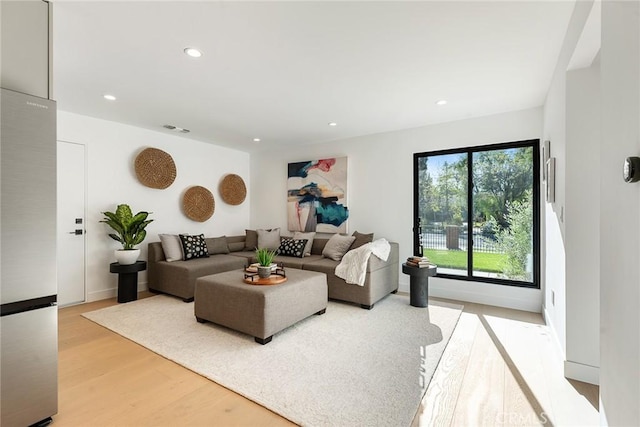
x: 265, y: 256
x: 129, y: 229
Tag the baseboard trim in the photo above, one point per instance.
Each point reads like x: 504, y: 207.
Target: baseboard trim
x: 102, y: 294
x: 585, y: 373
x: 111, y: 293
x: 449, y: 292
x: 558, y: 346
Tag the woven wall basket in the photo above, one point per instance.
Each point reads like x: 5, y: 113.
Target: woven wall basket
x: 198, y: 203
x: 155, y: 168
x: 232, y: 190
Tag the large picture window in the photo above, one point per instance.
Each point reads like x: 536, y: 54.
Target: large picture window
x: 476, y: 212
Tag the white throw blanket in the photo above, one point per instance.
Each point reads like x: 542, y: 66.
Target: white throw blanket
x: 353, y: 267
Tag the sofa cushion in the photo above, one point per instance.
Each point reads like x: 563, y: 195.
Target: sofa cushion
x: 236, y: 246
x: 236, y: 243
x: 204, y: 266
x: 361, y: 239
x: 292, y: 262
x: 194, y: 246
x: 318, y: 246
x: 337, y: 246
x: 171, y: 246
x: 269, y: 239
x: 250, y: 256
x: 217, y: 245
x: 251, y: 240
x: 322, y: 265
x: 299, y: 235
x: 292, y: 247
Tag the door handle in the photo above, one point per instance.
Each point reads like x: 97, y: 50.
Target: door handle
x: 77, y: 232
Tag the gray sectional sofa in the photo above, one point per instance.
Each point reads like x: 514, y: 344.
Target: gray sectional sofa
x: 178, y: 277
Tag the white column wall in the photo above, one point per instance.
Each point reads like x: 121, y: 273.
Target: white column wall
x: 555, y: 298
x: 582, y: 224
x: 620, y: 216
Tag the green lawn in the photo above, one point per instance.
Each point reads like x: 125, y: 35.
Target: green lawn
x: 483, y: 261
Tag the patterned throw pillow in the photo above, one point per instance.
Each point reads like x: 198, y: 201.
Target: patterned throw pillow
x: 292, y: 247
x: 194, y: 246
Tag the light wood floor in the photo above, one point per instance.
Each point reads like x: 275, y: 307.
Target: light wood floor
x: 498, y: 369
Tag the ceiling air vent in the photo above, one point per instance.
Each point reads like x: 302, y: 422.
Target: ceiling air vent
x: 176, y: 128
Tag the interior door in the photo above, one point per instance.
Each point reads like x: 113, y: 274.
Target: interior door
x: 71, y: 223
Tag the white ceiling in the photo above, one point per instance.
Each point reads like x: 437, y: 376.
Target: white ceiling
x: 281, y: 71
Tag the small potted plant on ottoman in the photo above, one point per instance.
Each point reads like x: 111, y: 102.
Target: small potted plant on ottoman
x: 265, y: 258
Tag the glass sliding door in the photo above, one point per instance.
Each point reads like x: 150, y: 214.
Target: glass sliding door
x: 503, y: 213
x: 442, y: 209
x: 476, y: 212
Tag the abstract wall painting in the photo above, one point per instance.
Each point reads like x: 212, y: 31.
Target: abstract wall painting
x: 317, y: 195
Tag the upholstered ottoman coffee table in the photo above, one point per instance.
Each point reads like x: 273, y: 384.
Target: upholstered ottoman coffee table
x: 259, y: 310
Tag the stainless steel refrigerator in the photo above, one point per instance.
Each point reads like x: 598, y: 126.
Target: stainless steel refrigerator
x: 29, y: 316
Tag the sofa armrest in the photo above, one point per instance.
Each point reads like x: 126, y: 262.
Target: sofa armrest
x: 376, y: 263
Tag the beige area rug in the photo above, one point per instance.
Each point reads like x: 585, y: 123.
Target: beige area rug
x: 346, y: 367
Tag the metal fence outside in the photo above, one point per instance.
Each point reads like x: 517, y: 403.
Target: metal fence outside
x: 456, y: 237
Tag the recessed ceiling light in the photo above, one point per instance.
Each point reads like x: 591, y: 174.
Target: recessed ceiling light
x: 192, y: 52
x: 441, y: 102
x: 109, y: 97
x: 333, y: 124
x: 256, y: 139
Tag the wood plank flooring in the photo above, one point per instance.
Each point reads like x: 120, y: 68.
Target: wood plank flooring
x: 501, y: 369
x: 107, y: 380
x: 498, y: 369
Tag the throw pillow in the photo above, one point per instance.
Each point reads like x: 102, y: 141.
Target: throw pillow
x: 172, y: 247
x: 251, y: 240
x: 337, y: 246
x: 361, y: 239
x: 292, y: 247
x: 299, y: 235
x: 269, y: 239
x: 194, y: 246
x: 217, y: 245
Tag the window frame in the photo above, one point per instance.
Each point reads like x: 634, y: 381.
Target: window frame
x: 469, y: 151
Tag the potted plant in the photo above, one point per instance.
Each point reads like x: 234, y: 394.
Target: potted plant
x: 129, y: 231
x: 265, y: 258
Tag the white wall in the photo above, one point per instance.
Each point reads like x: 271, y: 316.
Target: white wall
x: 582, y: 220
x: 111, y: 149
x: 555, y: 298
x: 380, y: 188
x: 620, y: 216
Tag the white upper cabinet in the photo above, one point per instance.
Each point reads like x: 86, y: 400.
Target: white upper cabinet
x: 25, y: 46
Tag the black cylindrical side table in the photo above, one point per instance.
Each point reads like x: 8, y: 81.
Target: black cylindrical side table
x: 419, y: 283
x: 127, y: 279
